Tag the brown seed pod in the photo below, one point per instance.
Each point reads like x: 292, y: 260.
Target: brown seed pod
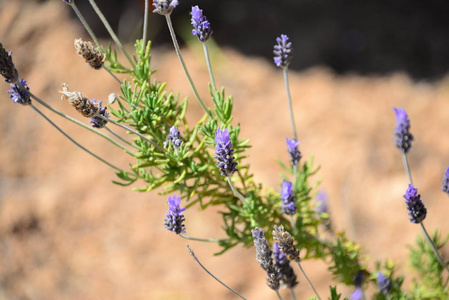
x: 94, y: 57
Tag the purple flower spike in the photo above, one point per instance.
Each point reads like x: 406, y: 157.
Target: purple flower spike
x: 323, y: 207
x: 357, y: 294
x: 201, y: 26
x: 18, y: 92
x: 174, y: 137
x: 97, y: 121
x: 288, y: 199
x: 295, y: 155
x: 224, y: 151
x: 282, y: 263
x: 265, y: 259
x: 164, y: 7
x: 283, y: 51
x: 445, y: 182
x: 383, y: 283
x: 402, y: 136
x: 174, y: 217
x: 416, y: 209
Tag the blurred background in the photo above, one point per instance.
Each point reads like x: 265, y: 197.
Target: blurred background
x: 67, y: 232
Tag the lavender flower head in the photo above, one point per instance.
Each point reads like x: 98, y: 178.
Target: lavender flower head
x: 18, y: 93
x: 201, y: 26
x: 7, y: 68
x: 295, y: 155
x: 224, y: 151
x: 288, y: 199
x: 383, y: 283
x: 97, y: 121
x: 402, y: 136
x: 174, y: 217
x: 282, y: 263
x: 416, y: 209
x: 283, y: 52
x: 357, y: 294
x: 164, y: 7
x: 265, y: 259
x: 323, y: 208
x: 174, y: 137
x: 445, y: 182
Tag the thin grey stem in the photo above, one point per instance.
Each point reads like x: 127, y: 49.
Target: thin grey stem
x: 434, y: 248
x: 145, y: 25
x: 278, y: 294
x: 407, y: 167
x: 83, y: 21
x: 132, y: 130
x: 292, y: 292
x: 113, y: 75
x: 209, y: 67
x: 111, y: 32
x: 186, y: 71
x: 72, y: 140
x: 79, y: 123
x: 308, y: 280
x: 213, y: 276
x: 289, y: 97
x: 199, y: 239
x: 236, y: 193
x: 292, y: 223
x: 119, y: 137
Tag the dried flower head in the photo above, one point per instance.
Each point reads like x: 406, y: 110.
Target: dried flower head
x: 285, y: 241
x: 288, y: 199
x: 283, y: 51
x: 295, y: 155
x: 416, y: 209
x: 265, y: 259
x: 201, y: 26
x: 445, y: 182
x: 288, y: 276
x: 223, y: 153
x: 164, y: 7
x: 174, y: 218
x: 383, y: 283
x: 96, y: 120
x: 19, y: 92
x: 402, y: 136
x: 94, y: 57
x: 7, y: 68
x: 81, y: 103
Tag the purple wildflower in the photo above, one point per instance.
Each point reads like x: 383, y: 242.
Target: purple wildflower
x: 97, y: 121
x: 164, y: 7
x: 295, y: 155
x: 416, y: 209
x: 383, y: 283
x: 201, y: 26
x: 174, y: 137
x: 283, y: 51
x: 402, y: 136
x: 357, y: 294
x: 288, y: 199
x: 174, y: 217
x: 445, y: 182
x: 19, y: 92
x: 7, y: 68
x: 265, y: 259
x: 282, y: 263
x: 323, y: 208
x: 224, y: 151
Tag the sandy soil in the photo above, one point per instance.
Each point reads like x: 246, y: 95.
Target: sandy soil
x: 67, y: 232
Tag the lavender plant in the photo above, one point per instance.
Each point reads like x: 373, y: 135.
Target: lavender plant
x: 203, y: 165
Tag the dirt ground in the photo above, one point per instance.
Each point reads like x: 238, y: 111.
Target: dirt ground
x: 67, y: 232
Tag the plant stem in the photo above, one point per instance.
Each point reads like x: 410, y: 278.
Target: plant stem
x: 236, y: 193
x: 145, y: 25
x: 186, y: 71
x: 83, y: 21
x: 209, y: 67
x: 407, y: 167
x: 292, y: 292
x: 434, y: 248
x: 113, y: 75
x: 119, y: 137
x: 72, y: 140
x: 199, y: 239
x: 109, y: 29
x: 213, y: 276
x: 287, y: 88
x: 308, y: 280
x: 278, y: 294
x: 80, y: 123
